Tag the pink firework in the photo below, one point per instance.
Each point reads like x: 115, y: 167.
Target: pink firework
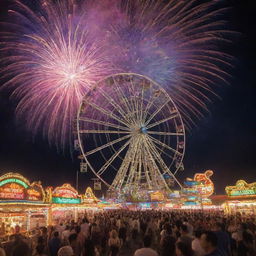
x: 51, y: 62
x: 53, y: 56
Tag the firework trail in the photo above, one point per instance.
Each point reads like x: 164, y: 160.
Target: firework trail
x: 175, y: 43
x: 51, y: 61
x: 53, y: 56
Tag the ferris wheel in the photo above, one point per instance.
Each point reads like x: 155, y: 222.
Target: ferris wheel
x: 130, y: 133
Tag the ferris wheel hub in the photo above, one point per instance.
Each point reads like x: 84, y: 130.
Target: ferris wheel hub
x: 143, y: 130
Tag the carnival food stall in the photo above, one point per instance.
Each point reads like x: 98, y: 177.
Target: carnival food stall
x: 22, y: 204
x: 64, y: 203
x: 241, y: 198
x: 196, y: 191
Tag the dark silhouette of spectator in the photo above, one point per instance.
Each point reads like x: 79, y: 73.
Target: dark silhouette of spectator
x: 54, y: 244
x: 224, y: 242
x: 146, y: 250
x: 167, y: 246
x: 183, y: 249
x: 209, y: 242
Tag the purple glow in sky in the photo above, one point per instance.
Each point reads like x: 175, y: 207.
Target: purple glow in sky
x: 54, y: 52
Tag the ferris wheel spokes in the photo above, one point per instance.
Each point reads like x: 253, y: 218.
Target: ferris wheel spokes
x: 161, y: 121
x: 156, y: 112
x: 107, y: 124
x: 165, y: 133
x: 107, y: 113
x: 161, y: 162
x: 164, y: 145
x: 112, y: 158
x: 107, y: 145
x: 105, y: 131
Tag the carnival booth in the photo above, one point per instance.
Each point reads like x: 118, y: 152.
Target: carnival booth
x: 241, y: 198
x: 90, y: 202
x: 196, y: 191
x: 22, y: 204
x: 65, y: 202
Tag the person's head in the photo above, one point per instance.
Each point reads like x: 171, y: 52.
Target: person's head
x: 113, y: 234
x: 72, y: 239
x: 168, y: 228
x: 147, y: 241
x: 85, y: 220
x: 168, y: 245
x: 77, y: 229
x: 184, y: 229
x: 40, y: 240
x: 44, y: 230
x: 17, y: 238
x: 247, y: 238
x: 183, y: 249
x: 21, y: 249
x: 198, y: 234
x: 219, y: 226
x: 40, y: 249
x: 89, y: 247
x: 55, y: 234
x: 208, y: 241
x: 65, y: 251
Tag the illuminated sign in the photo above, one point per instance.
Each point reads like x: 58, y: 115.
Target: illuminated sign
x: 62, y: 200
x: 191, y: 183
x: 157, y: 196
x: 190, y: 203
x: 205, y: 187
x: 65, y: 194
x: 12, y: 191
x: 89, y: 196
x: 3, y: 182
x: 175, y: 194
x: 14, y: 186
x: 242, y: 188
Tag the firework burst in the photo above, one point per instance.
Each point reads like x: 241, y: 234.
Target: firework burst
x: 177, y: 44
x: 53, y: 56
x: 51, y: 61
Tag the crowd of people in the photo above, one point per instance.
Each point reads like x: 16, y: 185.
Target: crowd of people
x: 141, y: 233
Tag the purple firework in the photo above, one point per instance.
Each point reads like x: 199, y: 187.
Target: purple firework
x: 51, y: 61
x: 52, y: 56
x: 175, y: 43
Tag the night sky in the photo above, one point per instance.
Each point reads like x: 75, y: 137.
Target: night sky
x: 223, y: 141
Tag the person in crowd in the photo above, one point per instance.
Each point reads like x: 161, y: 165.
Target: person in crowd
x: 246, y: 247
x: 190, y: 227
x: 90, y: 249
x: 80, y: 240
x: 185, y: 237
x: 41, y: 249
x: 209, y: 242
x: 167, y: 246
x: 196, y: 245
x: 146, y: 250
x: 85, y: 227
x: 2, y: 251
x: 122, y: 232
x: 224, y: 244
x: 183, y: 249
x: 66, y: 251
x: 114, y: 243
x: 65, y: 235
x: 73, y: 243
x: 54, y: 244
x: 96, y: 236
x: 167, y: 231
